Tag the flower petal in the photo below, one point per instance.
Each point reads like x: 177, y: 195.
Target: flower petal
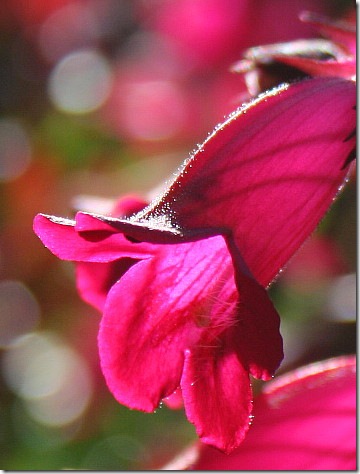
x: 158, y: 309
x: 345, y: 68
x: 94, y: 279
x: 128, y: 205
x: 97, y: 241
x: 141, y: 358
x: 259, y: 343
x: 339, y: 31
x: 268, y: 174
x: 175, y: 400
x: 217, y: 392
x: 306, y: 48
x: 305, y: 420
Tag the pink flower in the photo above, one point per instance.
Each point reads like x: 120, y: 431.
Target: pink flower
x: 305, y: 420
x: 317, y: 263
x: 212, y: 32
x: 183, y: 281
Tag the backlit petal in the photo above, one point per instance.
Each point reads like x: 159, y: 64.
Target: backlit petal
x: 217, y: 392
x: 305, y: 420
x: 268, y: 174
x: 93, y: 244
x: 175, y: 400
x: 94, y: 279
x: 339, y: 31
x: 259, y: 342
x: 158, y: 309
x: 331, y: 67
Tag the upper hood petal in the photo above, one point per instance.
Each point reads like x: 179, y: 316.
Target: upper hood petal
x: 268, y: 174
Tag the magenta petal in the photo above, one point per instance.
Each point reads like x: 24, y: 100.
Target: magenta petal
x: 269, y: 173
x: 97, y: 245
x: 217, y: 393
x: 160, y: 308
x: 128, y: 205
x: 336, y: 68
x: 86, y: 222
x: 175, y: 400
x: 259, y: 343
x: 305, y: 421
x: 141, y: 354
x: 94, y: 279
x: 340, y: 32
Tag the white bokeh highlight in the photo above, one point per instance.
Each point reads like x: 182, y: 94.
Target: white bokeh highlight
x: 80, y: 82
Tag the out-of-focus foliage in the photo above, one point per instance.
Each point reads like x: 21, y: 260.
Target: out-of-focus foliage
x: 100, y: 98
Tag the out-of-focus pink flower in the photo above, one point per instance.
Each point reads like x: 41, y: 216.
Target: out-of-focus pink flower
x: 184, y: 303
x: 148, y: 106
x: 182, y: 55
x: 156, y: 101
x: 210, y: 33
x: 317, y: 262
x: 305, y: 420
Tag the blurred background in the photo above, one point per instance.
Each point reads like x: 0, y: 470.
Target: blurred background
x: 104, y: 98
